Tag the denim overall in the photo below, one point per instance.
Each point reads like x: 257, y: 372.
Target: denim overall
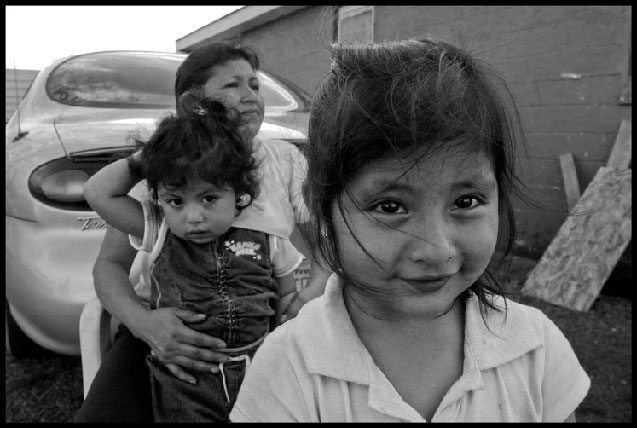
x: 230, y: 280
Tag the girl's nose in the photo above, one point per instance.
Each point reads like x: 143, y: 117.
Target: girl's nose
x: 435, y: 246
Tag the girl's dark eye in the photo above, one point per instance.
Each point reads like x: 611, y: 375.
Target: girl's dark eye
x: 209, y: 199
x: 254, y: 87
x: 231, y: 85
x: 467, y: 202
x: 389, y: 207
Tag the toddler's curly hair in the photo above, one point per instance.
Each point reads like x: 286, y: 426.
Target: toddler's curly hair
x: 201, y: 143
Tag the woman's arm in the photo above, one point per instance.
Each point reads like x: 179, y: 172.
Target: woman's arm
x: 292, y: 301
x: 162, y: 329
x: 296, y: 300
x: 107, y: 193
x: 287, y: 290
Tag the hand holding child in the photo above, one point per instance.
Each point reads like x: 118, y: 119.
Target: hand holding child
x: 178, y: 346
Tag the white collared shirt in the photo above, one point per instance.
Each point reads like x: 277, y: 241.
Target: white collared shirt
x: 280, y: 203
x: 315, y: 368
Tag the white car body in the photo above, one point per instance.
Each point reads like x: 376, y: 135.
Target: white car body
x: 51, y: 245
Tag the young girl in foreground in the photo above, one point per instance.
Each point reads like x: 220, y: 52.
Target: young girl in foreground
x: 201, y: 175
x: 410, y: 180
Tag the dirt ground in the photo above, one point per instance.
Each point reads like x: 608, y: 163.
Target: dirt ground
x: 49, y: 389
x: 601, y: 338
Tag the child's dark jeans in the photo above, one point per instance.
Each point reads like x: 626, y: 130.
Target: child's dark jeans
x: 177, y: 401
x: 230, y: 280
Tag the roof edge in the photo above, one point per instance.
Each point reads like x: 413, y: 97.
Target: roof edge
x: 233, y: 24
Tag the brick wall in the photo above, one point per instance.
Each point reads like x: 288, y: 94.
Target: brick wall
x: 565, y: 66
x: 13, y: 96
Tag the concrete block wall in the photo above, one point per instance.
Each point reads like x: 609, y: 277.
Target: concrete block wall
x: 13, y: 93
x: 564, y: 64
x: 295, y: 46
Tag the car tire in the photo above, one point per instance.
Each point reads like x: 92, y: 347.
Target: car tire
x: 18, y: 344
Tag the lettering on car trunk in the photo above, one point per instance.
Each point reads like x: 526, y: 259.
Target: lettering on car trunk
x: 93, y: 222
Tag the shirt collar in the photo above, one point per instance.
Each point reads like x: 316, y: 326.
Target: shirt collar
x: 501, y: 336
x: 332, y: 348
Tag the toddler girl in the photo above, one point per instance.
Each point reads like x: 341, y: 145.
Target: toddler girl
x: 201, y: 175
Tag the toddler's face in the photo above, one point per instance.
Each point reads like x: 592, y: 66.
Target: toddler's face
x: 431, y: 230
x: 198, y: 212
x: 236, y: 85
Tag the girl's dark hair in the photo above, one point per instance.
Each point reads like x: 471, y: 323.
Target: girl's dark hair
x: 196, y: 69
x: 397, y: 99
x: 201, y: 143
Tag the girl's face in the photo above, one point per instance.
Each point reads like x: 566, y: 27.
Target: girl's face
x: 431, y: 231
x: 198, y: 212
x: 236, y: 85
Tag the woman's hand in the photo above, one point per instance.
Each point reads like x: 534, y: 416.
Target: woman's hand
x: 177, y: 346
x: 292, y: 308
x: 299, y: 299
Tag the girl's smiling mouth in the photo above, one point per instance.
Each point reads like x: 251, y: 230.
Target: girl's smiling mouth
x: 428, y: 285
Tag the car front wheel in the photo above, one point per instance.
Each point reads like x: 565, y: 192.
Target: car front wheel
x: 17, y: 343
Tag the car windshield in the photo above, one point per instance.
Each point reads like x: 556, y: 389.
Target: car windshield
x: 119, y: 80
x: 137, y: 80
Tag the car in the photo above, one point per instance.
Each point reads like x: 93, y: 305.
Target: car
x: 75, y: 118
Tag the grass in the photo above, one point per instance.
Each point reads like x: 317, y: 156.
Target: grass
x: 49, y: 389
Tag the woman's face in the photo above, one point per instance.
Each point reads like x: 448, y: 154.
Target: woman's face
x: 431, y: 231
x: 236, y: 85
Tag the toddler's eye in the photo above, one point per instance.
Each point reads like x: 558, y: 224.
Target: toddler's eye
x: 231, y: 85
x: 389, y: 207
x: 254, y: 87
x: 174, y: 202
x: 208, y: 199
